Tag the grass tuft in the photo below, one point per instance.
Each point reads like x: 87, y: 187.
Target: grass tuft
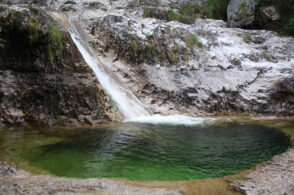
x: 192, y: 42
x: 55, y: 45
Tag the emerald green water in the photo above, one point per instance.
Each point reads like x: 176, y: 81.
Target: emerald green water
x: 143, y: 152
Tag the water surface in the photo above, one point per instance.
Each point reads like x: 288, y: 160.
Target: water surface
x: 143, y: 152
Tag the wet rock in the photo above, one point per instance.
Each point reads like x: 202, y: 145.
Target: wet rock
x: 240, y: 13
x: 42, y: 86
x: 234, y: 71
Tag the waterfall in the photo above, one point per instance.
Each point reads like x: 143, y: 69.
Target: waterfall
x: 127, y: 102
x: 131, y: 107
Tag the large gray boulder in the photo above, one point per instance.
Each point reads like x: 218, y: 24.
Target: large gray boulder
x: 240, y: 13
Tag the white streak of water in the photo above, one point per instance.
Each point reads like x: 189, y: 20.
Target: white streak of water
x: 128, y: 103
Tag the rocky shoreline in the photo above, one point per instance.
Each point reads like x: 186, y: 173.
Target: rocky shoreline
x: 272, y: 177
x: 275, y: 176
x: 19, y: 182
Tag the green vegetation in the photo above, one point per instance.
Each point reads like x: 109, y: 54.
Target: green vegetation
x: 24, y: 38
x: 288, y: 26
x: 55, y: 45
x: 190, y: 10
x: 34, y: 11
x: 35, y: 31
x: 267, y: 57
x: 186, y: 57
x: 172, y: 15
x: 154, y: 50
x: 186, y: 14
x: 146, y: 48
x: 246, y: 37
x: 285, y: 8
x: 147, y: 12
x: 94, y: 5
x: 217, y: 9
x: 192, y: 41
x: 1, y: 140
x: 153, y: 2
x: 243, y: 10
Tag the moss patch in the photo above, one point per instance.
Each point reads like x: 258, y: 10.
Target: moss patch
x: 246, y: 37
x: 267, y: 57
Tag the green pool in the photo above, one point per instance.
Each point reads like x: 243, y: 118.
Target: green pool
x: 142, y: 152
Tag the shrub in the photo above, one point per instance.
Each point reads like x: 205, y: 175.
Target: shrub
x: 288, y: 27
x: 192, y: 42
x: 55, y: 45
x: 217, y: 9
x: 186, y: 14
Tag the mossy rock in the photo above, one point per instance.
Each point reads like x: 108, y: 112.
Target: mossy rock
x: 26, y: 36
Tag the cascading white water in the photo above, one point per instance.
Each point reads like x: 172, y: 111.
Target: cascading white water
x: 132, y: 108
x: 127, y: 102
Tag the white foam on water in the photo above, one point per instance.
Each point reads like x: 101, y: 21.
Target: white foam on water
x: 171, y: 120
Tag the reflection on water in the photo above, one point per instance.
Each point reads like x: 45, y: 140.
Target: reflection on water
x: 145, y: 152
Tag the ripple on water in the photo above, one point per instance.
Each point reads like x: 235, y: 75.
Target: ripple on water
x: 146, y: 151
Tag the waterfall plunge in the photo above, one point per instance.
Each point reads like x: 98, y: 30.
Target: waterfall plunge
x: 127, y: 102
x: 131, y: 107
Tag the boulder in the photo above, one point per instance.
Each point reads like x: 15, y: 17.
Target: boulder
x: 271, y: 13
x: 240, y: 13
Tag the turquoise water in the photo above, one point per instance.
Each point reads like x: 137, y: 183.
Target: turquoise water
x: 144, y: 152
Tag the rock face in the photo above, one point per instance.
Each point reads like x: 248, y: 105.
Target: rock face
x: 43, y: 78
x: 203, y: 68
x: 240, y: 13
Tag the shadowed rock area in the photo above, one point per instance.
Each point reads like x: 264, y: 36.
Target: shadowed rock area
x: 43, y: 78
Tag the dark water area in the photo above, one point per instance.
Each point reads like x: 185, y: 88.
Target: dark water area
x: 143, y: 152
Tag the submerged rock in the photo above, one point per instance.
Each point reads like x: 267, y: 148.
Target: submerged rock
x: 240, y: 13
